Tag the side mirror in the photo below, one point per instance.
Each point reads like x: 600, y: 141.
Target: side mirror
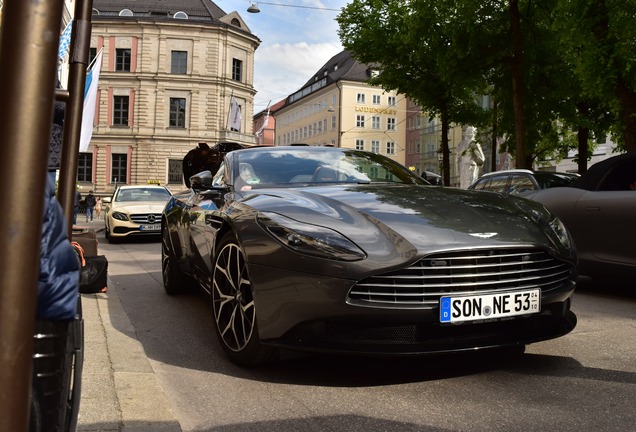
x: 202, y: 180
x: 106, y: 200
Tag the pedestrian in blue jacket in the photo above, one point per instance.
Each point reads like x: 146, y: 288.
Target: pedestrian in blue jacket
x: 58, y: 285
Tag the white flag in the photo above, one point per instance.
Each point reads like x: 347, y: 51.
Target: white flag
x: 235, y: 120
x: 264, y: 125
x: 90, y: 101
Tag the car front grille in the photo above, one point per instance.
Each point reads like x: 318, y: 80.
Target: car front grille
x: 146, y: 218
x: 421, y: 285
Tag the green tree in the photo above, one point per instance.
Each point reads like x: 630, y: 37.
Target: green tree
x: 601, y: 36
x: 421, y: 53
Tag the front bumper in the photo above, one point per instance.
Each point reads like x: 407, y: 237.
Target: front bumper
x: 308, y: 312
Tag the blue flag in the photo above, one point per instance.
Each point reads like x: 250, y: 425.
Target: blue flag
x: 65, y: 42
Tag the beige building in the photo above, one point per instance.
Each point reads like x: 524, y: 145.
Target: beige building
x: 169, y: 72
x: 424, y: 138
x: 337, y: 107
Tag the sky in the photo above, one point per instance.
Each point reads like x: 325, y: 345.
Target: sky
x: 295, y: 43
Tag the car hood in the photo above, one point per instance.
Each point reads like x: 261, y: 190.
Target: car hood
x: 410, y: 218
x: 139, y: 207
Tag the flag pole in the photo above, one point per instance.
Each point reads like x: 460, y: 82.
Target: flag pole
x: 80, y: 43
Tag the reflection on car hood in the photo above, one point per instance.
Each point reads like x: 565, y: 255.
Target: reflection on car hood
x: 140, y: 207
x: 424, y: 216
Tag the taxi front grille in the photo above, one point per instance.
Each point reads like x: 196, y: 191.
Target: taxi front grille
x: 146, y: 218
x: 462, y: 272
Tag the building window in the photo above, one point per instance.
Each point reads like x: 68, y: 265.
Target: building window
x: 85, y: 167
x: 237, y: 69
x: 118, y: 168
x: 175, y: 171
x: 390, y: 124
x: 360, y: 98
x: 92, y: 53
x: 375, y: 146
x: 390, y: 148
x: 375, y: 122
x: 359, y: 144
x: 376, y: 99
x: 391, y: 100
x: 120, y: 110
x: 122, y: 60
x: 177, y: 113
x: 179, y: 64
x: 333, y: 122
x: 360, y: 120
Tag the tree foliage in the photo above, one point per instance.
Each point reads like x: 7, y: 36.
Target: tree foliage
x: 420, y: 54
x: 550, y: 67
x: 600, y: 36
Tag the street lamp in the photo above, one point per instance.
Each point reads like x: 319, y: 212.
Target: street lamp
x: 255, y: 9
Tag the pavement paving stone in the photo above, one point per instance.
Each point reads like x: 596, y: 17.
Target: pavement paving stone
x: 119, y: 389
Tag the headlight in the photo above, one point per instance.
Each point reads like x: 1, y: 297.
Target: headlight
x: 548, y: 221
x: 310, y: 239
x: 560, y: 231
x: 120, y: 216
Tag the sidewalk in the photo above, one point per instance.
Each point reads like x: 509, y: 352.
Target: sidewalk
x: 120, y: 391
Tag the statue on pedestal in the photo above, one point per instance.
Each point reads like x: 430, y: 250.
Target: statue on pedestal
x: 470, y: 158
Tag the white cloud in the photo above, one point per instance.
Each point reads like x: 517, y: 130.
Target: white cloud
x: 281, y: 69
x: 295, y: 43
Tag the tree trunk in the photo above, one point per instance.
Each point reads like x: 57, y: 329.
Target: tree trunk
x: 627, y: 98
x: 522, y: 161
x: 583, y: 136
x: 445, y: 149
x: 493, y: 153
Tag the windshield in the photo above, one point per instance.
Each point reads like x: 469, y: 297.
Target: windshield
x: 316, y: 165
x: 550, y: 180
x: 142, y: 194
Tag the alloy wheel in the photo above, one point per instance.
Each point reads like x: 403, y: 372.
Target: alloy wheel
x: 232, y: 300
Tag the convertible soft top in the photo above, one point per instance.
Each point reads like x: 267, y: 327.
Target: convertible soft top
x: 614, y: 173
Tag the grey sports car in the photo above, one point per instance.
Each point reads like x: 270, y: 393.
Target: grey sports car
x: 599, y: 210
x: 345, y: 251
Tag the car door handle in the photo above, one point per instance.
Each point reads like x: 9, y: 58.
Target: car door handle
x: 594, y: 209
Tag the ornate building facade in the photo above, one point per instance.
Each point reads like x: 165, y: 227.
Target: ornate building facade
x: 170, y: 70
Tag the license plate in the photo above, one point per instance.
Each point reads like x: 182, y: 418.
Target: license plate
x: 489, y: 306
x: 155, y: 227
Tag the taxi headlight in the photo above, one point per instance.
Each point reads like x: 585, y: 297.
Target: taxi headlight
x: 120, y: 216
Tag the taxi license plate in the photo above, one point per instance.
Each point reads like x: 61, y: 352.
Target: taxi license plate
x: 154, y: 227
x: 489, y: 306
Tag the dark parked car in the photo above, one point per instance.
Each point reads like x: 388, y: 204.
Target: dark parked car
x: 599, y: 210
x: 345, y: 251
x: 521, y: 182
x: 433, y: 178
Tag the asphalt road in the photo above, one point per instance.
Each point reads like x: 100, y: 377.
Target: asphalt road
x: 585, y: 381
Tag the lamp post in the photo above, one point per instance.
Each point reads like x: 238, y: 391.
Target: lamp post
x: 255, y: 9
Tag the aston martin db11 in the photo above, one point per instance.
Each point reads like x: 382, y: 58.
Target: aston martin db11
x: 345, y: 251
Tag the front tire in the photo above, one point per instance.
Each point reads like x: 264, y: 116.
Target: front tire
x: 234, y: 307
